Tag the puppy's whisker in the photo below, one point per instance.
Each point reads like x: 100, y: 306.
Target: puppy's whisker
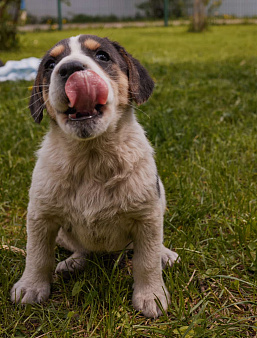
x: 30, y: 105
x: 39, y: 86
x: 136, y: 108
x: 32, y: 95
x: 28, y: 97
x: 31, y: 87
x: 134, y: 93
x: 36, y: 114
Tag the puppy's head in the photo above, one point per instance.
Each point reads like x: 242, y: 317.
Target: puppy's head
x: 86, y: 83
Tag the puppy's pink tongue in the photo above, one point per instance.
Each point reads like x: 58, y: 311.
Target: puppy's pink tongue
x: 85, y: 89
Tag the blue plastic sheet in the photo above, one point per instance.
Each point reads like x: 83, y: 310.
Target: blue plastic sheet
x: 25, y: 69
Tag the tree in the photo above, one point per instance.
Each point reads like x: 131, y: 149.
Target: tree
x: 200, y: 8
x: 9, y: 14
x: 199, y: 16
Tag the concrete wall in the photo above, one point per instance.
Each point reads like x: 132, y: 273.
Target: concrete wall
x: 239, y: 8
x: 126, y: 8
x: 120, y: 8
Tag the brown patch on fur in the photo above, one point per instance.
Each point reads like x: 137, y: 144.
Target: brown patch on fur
x: 56, y: 51
x: 91, y: 44
x: 140, y: 83
x: 123, y: 87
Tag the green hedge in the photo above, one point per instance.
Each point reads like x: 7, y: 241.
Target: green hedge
x: 8, y: 35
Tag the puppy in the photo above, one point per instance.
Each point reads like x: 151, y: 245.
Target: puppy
x: 95, y: 185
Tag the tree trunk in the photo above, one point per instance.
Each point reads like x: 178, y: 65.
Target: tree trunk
x: 199, y: 16
x: 2, y: 8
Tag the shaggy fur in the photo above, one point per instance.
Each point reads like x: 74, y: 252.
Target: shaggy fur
x: 94, y: 186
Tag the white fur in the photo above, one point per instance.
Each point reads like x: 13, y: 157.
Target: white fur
x: 96, y: 195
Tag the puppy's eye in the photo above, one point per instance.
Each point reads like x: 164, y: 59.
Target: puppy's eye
x: 50, y: 64
x: 102, y: 56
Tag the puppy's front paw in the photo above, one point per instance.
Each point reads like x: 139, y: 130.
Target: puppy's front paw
x: 146, y: 300
x: 28, y: 292
x: 169, y: 257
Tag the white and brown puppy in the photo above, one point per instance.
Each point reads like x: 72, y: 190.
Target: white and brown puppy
x: 95, y: 185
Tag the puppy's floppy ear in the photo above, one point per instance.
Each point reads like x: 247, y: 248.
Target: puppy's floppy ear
x: 140, y: 83
x: 36, y: 103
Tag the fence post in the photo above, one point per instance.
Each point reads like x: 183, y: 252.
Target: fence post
x: 59, y: 5
x: 166, y: 12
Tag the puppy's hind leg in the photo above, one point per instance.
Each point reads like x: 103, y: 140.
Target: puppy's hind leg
x: 169, y: 257
x: 77, y: 261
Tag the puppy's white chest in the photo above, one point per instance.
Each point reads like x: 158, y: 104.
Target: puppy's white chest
x: 95, y: 219
x: 100, y: 232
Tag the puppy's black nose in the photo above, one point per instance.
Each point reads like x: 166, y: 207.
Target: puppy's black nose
x: 69, y: 68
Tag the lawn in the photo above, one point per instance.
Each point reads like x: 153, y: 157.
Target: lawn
x: 202, y: 122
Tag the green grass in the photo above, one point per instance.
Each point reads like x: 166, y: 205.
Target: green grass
x: 202, y: 121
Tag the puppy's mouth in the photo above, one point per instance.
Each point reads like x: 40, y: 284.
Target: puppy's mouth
x: 87, y: 94
x: 74, y: 115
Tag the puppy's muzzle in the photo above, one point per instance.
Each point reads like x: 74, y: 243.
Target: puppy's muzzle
x: 86, y: 91
x: 69, y: 68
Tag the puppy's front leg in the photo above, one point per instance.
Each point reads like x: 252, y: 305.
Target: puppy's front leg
x: 147, y: 267
x: 34, y: 285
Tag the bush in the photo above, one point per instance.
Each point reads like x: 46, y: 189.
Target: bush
x: 8, y: 35
x: 83, y: 18
x: 31, y: 19
x: 155, y: 8
x: 9, y: 16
